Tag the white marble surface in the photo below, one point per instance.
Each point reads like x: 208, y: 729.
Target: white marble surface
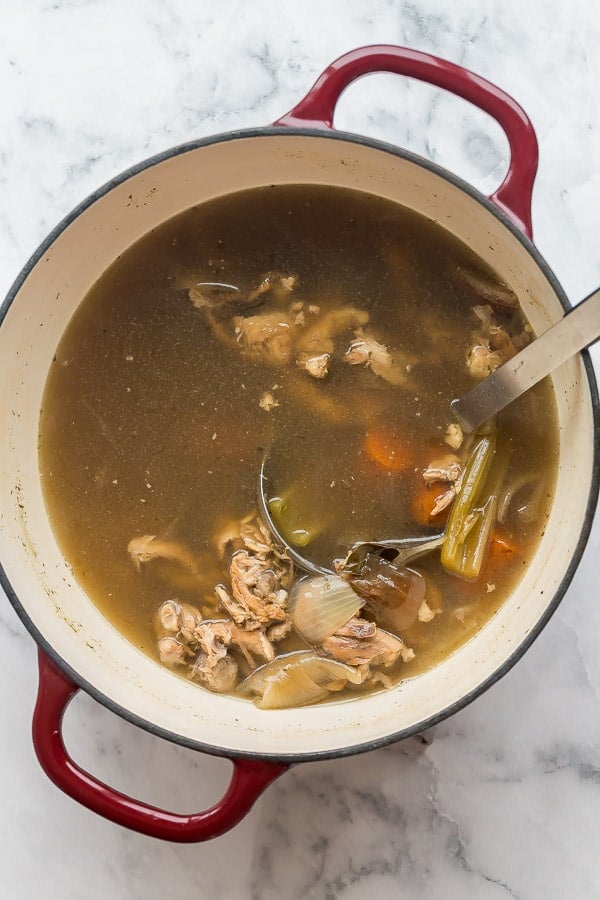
x: 505, y: 800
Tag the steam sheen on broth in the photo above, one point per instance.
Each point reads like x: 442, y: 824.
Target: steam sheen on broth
x: 329, y: 328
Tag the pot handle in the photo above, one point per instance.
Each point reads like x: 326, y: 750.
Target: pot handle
x: 250, y: 777
x: 513, y: 196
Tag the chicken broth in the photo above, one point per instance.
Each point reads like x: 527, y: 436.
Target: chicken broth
x: 328, y: 329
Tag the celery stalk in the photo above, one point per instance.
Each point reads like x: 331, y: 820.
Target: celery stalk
x: 475, y: 475
x: 477, y: 543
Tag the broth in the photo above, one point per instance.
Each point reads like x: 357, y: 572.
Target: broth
x: 158, y: 411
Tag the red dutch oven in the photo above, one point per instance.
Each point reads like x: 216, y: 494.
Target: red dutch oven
x: 78, y: 648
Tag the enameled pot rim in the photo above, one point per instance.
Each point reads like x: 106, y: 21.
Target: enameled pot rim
x: 336, y: 135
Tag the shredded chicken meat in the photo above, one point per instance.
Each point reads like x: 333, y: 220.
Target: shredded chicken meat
x: 492, y: 344
x: 368, y: 352
x: 218, y: 674
x: 267, y: 336
x: 256, y: 600
x: 320, y: 337
x: 449, y: 471
x: 285, y: 331
x: 360, y: 642
x: 268, y: 402
x: 213, y: 665
x: 454, y: 436
x: 255, y: 646
x: 281, y: 330
x: 276, y: 283
x: 316, y: 365
x: 448, y: 468
x: 259, y: 575
x: 148, y: 547
x: 213, y: 649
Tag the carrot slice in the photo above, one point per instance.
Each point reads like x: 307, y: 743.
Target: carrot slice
x: 388, y: 450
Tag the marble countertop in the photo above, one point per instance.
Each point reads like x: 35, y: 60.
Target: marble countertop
x: 502, y: 800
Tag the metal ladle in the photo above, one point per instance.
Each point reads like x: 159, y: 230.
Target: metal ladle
x: 406, y: 548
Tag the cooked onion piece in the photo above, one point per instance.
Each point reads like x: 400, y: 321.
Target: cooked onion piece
x: 322, y: 604
x: 297, y: 679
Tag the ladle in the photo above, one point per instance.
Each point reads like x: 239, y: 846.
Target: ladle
x: 406, y: 548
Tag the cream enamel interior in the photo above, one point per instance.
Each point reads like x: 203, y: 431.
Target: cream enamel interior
x: 39, y: 575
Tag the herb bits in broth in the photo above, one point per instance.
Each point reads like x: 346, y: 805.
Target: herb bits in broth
x: 326, y: 330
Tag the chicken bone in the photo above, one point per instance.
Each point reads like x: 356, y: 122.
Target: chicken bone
x: 213, y: 666
x: 319, y: 337
x: 172, y: 652
x: 180, y: 619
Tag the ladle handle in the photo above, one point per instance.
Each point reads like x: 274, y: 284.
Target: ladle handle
x: 249, y: 779
x: 513, y: 196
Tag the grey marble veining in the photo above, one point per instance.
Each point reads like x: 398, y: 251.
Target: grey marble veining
x: 502, y: 800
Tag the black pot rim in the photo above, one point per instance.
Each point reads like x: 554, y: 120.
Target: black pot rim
x: 455, y: 707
